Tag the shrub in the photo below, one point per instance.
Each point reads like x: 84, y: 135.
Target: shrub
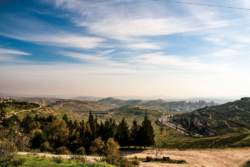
x: 80, y: 151
x: 62, y: 150
x: 118, y: 160
x: 19, y: 161
x: 8, y: 151
x: 58, y: 159
x: 46, y: 147
x: 135, y: 162
x: 149, y: 159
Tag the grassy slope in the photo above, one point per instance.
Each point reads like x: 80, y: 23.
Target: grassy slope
x: 22, y: 110
x: 233, y: 117
x: 45, y: 162
x: 82, y: 106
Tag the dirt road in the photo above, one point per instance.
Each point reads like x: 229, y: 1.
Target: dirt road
x: 199, y: 158
x: 89, y: 158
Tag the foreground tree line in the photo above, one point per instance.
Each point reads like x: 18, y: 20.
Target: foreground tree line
x: 53, y: 135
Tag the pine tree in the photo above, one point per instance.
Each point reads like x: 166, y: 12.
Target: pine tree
x: 134, y: 137
x: 92, y: 125
x: 65, y: 118
x: 122, y: 134
x: 146, y: 132
x: 27, y: 124
x: 110, y: 129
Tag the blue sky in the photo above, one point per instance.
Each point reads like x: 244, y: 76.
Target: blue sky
x: 124, y: 47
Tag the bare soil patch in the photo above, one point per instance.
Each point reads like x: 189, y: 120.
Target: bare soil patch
x: 199, y: 158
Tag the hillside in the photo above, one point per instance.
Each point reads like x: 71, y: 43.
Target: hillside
x: 233, y: 117
x: 181, y: 106
x: 43, y: 101
x: 21, y: 109
x: 82, y: 106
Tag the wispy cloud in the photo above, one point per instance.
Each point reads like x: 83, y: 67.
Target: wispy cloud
x: 11, y: 55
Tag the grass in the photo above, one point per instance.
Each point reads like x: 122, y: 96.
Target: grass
x: 37, y: 161
x: 46, y: 111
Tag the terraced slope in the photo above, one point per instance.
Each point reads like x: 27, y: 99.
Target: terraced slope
x: 21, y: 109
x: 233, y: 117
x: 82, y: 106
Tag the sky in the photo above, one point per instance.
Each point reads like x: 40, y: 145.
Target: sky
x: 124, y: 48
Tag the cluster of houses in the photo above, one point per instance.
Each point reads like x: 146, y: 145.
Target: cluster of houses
x: 5, y: 100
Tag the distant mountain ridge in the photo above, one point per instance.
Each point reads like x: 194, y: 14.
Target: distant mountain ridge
x: 181, y: 106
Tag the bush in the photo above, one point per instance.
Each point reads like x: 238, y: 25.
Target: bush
x: 62, y: 150
x: 118, y: 160
x: 135, y: 162
x: 19, y: 161
x: 80, y: 151
x: 46, y: 147
x: 58, y: 159
x: 148, y: 159
x: 8, y: 151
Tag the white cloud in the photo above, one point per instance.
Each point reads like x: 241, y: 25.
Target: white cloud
x: 94, y: 59
x: 10, y: 55
x: 12, y: 51
x: 59, y: 39
x: 143, y: 46
x: 177, y: 63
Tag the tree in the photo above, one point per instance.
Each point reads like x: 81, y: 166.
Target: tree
x: 111, y: 147
x: 110, y: 129
x: 97, y: 146
x: 134, y: 137
x: 146, y: 132
x: 122, y: 134
x: 92, y: 125
x: 65, y: 118
x: 27, y: 124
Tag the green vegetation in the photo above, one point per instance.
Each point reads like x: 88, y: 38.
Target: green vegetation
x: 66, y: 136
x: 27, y: 160
x: 247, y: 164
x: 82, y: 106
x: 132, y: 112
x: 233, y: 117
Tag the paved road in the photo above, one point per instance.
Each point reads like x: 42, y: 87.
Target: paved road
x: 165, y: 121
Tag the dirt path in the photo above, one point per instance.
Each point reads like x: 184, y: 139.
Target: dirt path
x: 227, y: 124
x: 200, y: 158
x: 166, y: 129
x: 89, y: 158
x: 24, y: 111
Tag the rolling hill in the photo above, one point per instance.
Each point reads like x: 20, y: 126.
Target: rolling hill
x: 180, y: 106
x: 232, y: 117
x: 82, y: 106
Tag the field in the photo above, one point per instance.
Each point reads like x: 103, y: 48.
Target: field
x: 82, y: 106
